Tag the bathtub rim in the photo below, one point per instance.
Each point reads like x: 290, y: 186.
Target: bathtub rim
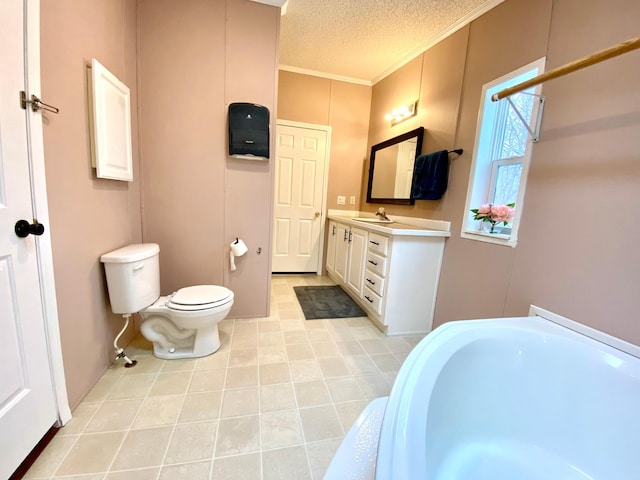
x: 439, y: 347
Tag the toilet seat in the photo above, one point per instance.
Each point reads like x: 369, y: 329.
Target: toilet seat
x: 199, y: 297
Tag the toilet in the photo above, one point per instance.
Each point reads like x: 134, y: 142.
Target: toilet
x: 181, y: 325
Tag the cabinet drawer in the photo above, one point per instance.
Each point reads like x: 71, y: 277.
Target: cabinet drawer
x: 378, y: 244
x: 372, y: 300
x: 374, y: 281
x: 376, y: 263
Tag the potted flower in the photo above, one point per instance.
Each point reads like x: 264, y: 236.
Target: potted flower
x: 494, y: 213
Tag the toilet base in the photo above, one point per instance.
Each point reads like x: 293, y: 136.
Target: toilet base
x: 188, y: 343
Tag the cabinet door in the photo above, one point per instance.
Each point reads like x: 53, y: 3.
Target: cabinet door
x: 341, y: 256
x: 331, y: 246
x: 357, y: 254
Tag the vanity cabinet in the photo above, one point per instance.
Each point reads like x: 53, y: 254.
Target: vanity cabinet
x: 346, y: 253
x: 331, y: 246
x: 391, y: 271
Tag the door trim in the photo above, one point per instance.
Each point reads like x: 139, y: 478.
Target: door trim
x: 41, y: 212
x: 325, y: 181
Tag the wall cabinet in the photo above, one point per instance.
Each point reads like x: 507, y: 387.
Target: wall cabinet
x: 391, y: 271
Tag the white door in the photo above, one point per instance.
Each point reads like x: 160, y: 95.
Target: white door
x: 301, y: 160
x: 27, y: 402
x: 404, y: 171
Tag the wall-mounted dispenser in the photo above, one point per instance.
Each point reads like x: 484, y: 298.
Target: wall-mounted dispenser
x: 248, y: 131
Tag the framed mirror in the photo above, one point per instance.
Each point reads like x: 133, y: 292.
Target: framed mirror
x: 391, y: 168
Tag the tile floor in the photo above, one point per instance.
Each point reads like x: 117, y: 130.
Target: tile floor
x: 273, y: 403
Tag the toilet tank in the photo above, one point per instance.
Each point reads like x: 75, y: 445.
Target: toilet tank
x: 133, y: 277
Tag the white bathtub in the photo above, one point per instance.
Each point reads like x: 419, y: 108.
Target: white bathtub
x: 509, y: 399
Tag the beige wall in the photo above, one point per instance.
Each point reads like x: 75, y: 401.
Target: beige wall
x: 251, y: 76
x: 435, y: 80
x: 585, y: 173
x: 190, y: 59
x: 464, y: 290
x: 89, y: 216
x: 345, y: 108
x: 577, y: 252
x: 194, y: 58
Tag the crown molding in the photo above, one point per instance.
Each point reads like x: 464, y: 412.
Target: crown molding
x: 330, y: 76
x: 273, y: 3
x: 450, y: 30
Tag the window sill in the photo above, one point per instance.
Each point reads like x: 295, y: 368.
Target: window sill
x: 495, y: 238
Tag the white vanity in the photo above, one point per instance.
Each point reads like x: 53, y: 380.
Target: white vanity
x: 390, y: 269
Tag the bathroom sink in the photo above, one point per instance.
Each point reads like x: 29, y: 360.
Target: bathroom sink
x: 372, y: 220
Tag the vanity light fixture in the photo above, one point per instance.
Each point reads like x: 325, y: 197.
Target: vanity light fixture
x: 402, y: 113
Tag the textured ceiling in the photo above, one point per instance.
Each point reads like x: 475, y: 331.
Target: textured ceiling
x: 364, y: 39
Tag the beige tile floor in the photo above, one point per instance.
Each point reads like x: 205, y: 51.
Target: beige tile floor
x: 273, y: 403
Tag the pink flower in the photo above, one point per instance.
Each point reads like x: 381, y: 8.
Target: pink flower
x: 501, y: 213
x: 483, y: 211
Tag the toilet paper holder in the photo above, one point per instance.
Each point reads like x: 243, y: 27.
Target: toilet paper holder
x: 238, y: 248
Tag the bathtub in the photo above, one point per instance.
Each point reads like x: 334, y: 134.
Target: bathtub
x: 523, y: 398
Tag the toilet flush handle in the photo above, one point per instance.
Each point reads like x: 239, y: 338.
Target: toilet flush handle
x: 139, y: 266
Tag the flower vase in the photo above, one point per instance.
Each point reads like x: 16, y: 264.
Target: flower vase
x: 490, y: 227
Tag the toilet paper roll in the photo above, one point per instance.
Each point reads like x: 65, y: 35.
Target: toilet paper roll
x: 238, y: 248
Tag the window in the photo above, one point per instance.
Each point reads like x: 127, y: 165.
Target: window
x: 502, y: 152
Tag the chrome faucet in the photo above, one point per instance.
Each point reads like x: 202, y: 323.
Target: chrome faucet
x: 381, y: 214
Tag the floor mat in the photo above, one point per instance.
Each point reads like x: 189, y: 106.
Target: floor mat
x: 327, y: 302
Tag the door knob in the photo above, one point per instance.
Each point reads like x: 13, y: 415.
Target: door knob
x: 317, y: 214
x: 24, y: 228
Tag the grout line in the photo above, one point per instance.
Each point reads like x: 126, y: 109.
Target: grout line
x: 224, y: 383
x: 357, y: 331
x: 259, y: 401
x: 124, y: 437
x: 173, y: 430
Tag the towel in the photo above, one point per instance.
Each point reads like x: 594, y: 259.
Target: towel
x: 430, y: 176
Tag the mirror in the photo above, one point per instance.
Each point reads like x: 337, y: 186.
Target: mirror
x: 391, y: 168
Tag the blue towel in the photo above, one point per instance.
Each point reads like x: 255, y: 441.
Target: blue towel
x: 430, y: 176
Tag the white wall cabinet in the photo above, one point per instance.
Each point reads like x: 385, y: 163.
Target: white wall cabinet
x: 110, y: 118
x: 391, y: 271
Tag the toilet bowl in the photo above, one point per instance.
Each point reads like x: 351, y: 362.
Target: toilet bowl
x: 185, y: 324
x: 181, y: 325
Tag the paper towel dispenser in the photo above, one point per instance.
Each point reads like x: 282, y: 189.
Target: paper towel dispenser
x: 248, y: 131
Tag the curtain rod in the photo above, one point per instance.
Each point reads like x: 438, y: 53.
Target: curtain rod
x: 571, y: 67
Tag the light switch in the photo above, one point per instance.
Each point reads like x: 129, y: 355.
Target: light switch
x: 352, y: 200
x: 341, y: 199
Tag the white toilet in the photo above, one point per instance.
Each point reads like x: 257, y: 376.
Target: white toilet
x: 181, y: 325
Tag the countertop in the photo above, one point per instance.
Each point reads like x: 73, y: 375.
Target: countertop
x: 395, y: 228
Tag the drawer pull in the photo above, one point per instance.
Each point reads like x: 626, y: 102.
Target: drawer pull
x: 375, y: 243
x: 373, y: 263
x: 371, y: 281
x: 333, y: 231
x: 370, y: 301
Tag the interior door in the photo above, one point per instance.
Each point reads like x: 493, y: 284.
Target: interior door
x: 27, y: 402
x: 301, y: 156
x: 404, y: 171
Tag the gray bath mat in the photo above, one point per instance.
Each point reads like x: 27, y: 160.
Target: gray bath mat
x: 326, y: 302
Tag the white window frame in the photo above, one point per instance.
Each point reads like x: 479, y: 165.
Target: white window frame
x: 483, y: 170
x: 495, y: 165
